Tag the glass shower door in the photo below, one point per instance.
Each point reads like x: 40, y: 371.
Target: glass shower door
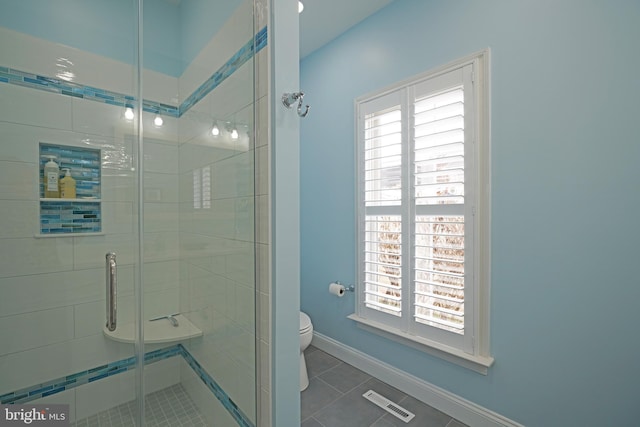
x: 68, y: 180
x: 199, y: 209
x: 155, y: 165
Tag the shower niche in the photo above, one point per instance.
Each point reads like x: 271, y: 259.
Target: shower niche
x: 78, y: 208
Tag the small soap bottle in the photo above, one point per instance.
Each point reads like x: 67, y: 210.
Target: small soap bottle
x: 67, y: 185
x: 51, y: 177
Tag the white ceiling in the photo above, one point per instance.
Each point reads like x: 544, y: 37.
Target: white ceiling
x: 324, y: 20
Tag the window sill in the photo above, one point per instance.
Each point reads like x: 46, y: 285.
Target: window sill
x: 480, y: 364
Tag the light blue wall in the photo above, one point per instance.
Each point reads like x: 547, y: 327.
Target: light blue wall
x: 106, y: 28
x: 200, y: 20
x: 566, y: 196
x: 173, y: 33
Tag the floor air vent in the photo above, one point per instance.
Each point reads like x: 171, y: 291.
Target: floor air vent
x: 392, y: 408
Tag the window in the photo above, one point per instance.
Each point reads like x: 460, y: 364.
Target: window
x: 423, y: 212
x: 202, y: 188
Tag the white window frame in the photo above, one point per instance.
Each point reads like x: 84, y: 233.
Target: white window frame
x: 471, y: 350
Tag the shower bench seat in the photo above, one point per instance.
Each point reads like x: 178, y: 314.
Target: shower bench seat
x: 156, y: 332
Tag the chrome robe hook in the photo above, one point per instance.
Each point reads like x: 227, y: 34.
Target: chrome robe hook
x: 288, y: 99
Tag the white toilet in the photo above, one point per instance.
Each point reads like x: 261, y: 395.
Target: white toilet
x: 306, y: 333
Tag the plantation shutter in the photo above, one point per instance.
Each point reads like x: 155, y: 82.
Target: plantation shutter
x: 439, y: 206
x: 441, y: 218
x: 415, y: 227
x: 382, y: 195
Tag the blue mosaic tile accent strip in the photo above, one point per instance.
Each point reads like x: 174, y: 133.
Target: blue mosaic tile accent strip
x: 68, y: 382
x: 159, y: 108
x: 261, y: 39
x: 58, y: 385
x: 212, y: 385
x: 63, y: 87
x: 245, y: 53
x: 60, y: 217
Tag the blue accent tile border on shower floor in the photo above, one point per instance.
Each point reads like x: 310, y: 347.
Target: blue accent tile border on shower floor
x: 213, y: 386
x: 63, y: 87
x: 77, y: 379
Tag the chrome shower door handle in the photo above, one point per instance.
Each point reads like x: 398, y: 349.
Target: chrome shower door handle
x: 112, y: 287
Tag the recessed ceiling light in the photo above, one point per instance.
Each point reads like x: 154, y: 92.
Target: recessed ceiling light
x: 300, y: 7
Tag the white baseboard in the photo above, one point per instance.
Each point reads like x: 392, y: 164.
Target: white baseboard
x: 449, y: 403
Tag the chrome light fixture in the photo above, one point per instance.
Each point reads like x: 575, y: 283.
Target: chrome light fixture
x: 128, y: 113
x: 215, y: 130
x: 232, y: 130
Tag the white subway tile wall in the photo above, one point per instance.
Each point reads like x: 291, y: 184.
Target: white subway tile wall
x: 196, y: 261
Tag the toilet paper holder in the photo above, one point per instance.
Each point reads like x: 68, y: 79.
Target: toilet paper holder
x: 350, y: 288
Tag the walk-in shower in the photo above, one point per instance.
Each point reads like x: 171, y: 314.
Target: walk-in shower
x: 143, y: 281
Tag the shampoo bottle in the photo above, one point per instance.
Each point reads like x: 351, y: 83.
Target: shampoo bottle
x: 67, y: 185
x: 51, y: 177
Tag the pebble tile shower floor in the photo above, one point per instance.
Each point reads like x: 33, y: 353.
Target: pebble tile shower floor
x: 170, y: 407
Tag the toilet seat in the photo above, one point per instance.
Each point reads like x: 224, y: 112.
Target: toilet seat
x: 305, y: 323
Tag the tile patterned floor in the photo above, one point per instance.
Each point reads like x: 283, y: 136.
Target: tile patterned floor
x: 170, y: 407
x: 334, y: 398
